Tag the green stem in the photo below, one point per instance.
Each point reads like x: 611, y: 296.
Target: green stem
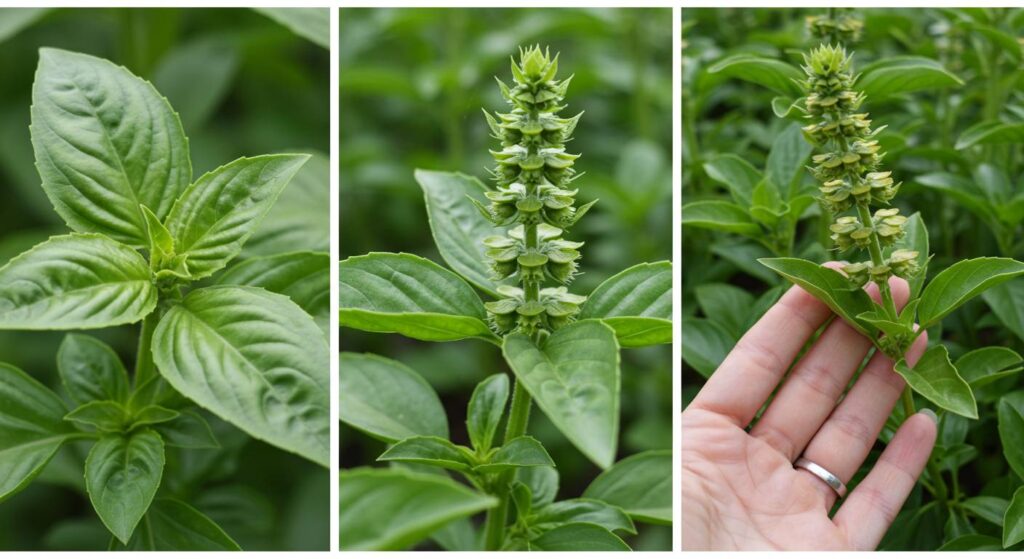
x: 875, y: 248
x: 497, y: 517
x: 145, y: 369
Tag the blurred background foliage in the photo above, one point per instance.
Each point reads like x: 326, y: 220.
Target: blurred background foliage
x: 412, y: 86
x: 963, y: 180
x: 244, y: 84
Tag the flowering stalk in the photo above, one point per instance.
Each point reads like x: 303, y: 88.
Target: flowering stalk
x: 533, y: 199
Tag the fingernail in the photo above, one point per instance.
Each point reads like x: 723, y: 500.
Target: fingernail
x: 931, y: 415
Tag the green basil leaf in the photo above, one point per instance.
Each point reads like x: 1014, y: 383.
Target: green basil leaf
x: 641, y: 485
x: 457, y: 226
x: 776, y: 75
x: 957, y: 525
x: 520, y: 452
x: 75, y: 281
x: 578, y: 536
x: 486, y: 407
x: 104, y: 415
x: 13, y: 22
x: 609, y: 517
x: 34, y: 429
x: 727, y: 305
x: 705, y: 344
x: 962, y: 190
x: 254, y: 359
x: 542, y: 481
x: 152, y: 415
x: 388, y: 400
x: 210, y: 59
x: 988, y: 364
x: 1007, y: 303
x: 409, y: 295
x: 903, y: 74
x: 91, y: 370
x: 736, y: 174
x: 935, y: 378
x: 105, y: 142
x: 636, y: 303
x: 1010, y: 413
x: 171, y: 525
x: 429, y: 451
x: 575, y: 380
x: 784, y: 106
x: 991, y: 509
x: 300, y: 220
x: 122, y: 474
x: 829, y: 286
x: 394, y: 509
x: 719, y: 215
x: 215, y: 216
x: 972, y: 542
x: 1013, y: 521
x: 991, y: 132
x: 188, y: 430
x: 313, y: 24
x: 303, y: 277
x: 953, y: 286
x: 787, y: 158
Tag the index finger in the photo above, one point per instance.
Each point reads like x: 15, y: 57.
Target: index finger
x: 752, y: 370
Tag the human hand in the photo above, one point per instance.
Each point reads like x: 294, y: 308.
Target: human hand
x: 740, y: 488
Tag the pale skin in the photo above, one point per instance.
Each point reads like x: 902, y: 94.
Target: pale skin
x: 740, y: 489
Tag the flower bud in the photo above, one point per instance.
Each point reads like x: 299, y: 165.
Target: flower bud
x: 904, y: 263
x: 857, y: 273
x: 889, y: 225
x: 880, y: 274
x: 848, y: 232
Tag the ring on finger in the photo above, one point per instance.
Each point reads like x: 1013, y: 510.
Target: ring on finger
x: 828, y: 477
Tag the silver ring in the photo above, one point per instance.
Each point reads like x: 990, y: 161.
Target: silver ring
x: 828, y: 477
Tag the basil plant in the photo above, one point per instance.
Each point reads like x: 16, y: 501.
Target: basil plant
x: 151, y: 245
x: 512, y: 262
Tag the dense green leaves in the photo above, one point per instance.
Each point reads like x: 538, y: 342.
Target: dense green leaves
x: 636, y: 303
x: 188, y: 430
x: 393, y: 509
x: 33, y: 431
x: 991, y: 132
x: 828, y: 285
x: 409, y: 295
x: 705, y: 344
x: 104, y: 415
x: 641, y: 485
x: 773, y: 74
x: 388, y: 400
x: 987, y: 508
x: 75, y: 281
x: 172, y: 525
x: 255, y: 359
x: 122, y: 474
x: 215, y: 216
x: 574, y: 378
x: 903, y: 74
x: 988, y: 364
x: 105, y: 142
x: 953, y: 286
x: 457, y: 226
x: 90, y: 370
x: 935, y: 378
x: 303, y: 277
x: 736, y: 174
x: 486, y: 406
x: 1007, y: 303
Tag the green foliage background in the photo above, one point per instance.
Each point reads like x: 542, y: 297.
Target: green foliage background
x: 412, y: 85
x: 243, y: 85
x: 967, y: 191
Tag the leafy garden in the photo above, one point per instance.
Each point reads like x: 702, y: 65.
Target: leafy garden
x: 889, y: 140
x: 210, y: 276
x: 543, y: 422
